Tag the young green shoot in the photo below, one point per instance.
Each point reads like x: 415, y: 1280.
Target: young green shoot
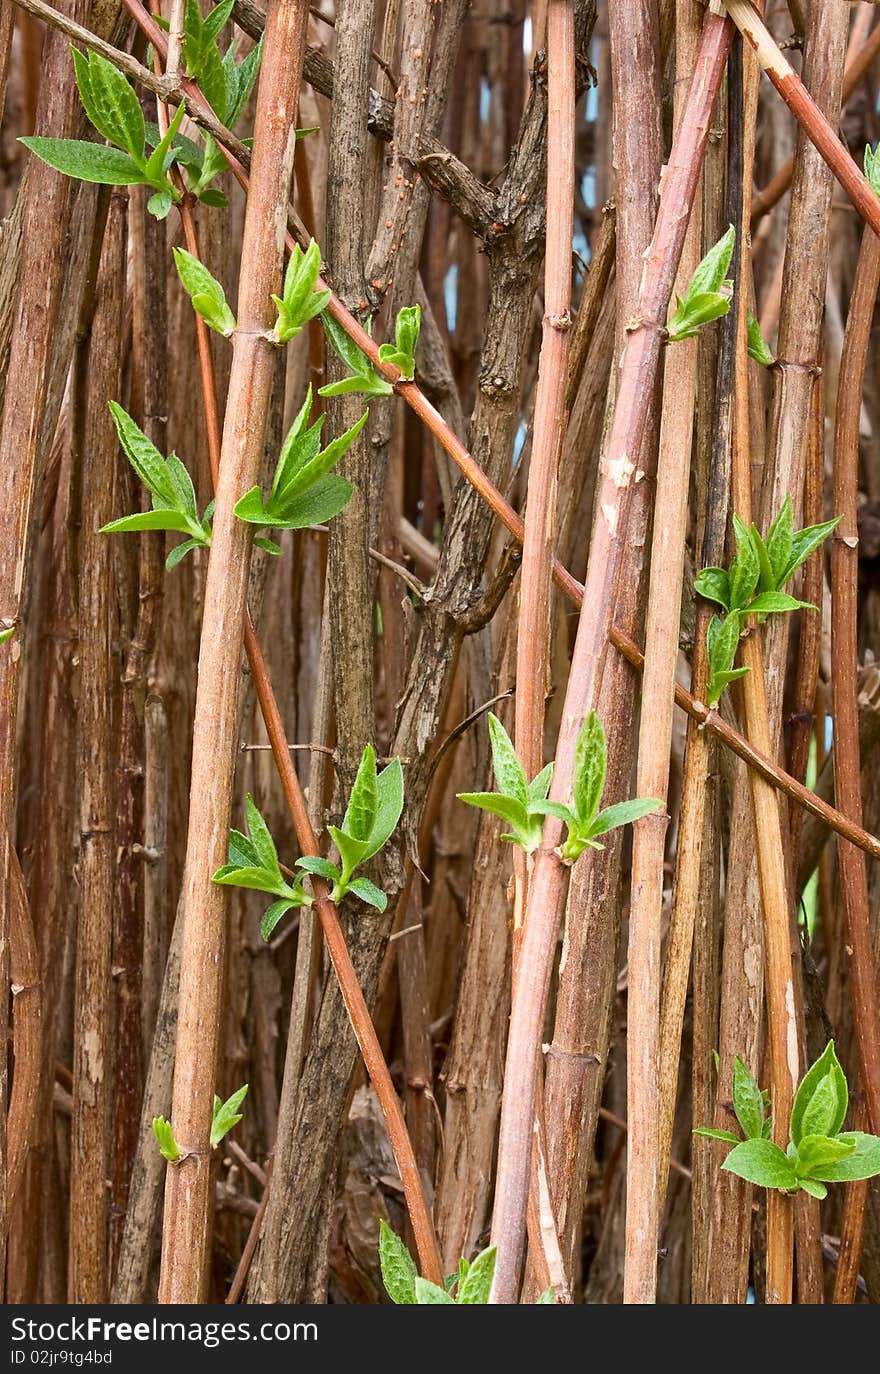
x: 872, y: 166
x: 468, y: 1286
x: 207, y: 295
x: 6, y: 633
x: 225, y: 1115
x: 304, y: 490
x: 708, y: 294
x: 758, y: 348
x: 300, y: 301
x: 402, y: 353
x: 168, y: 1146
x: 818, y: 1153
x: 582, y: 816
x: 370, y: 820
x: 225, y: 83
x: 363, y: 378
x: 753, y: 585
x: 517, y: 801
x: 253, y: 863
x: 171, y: 489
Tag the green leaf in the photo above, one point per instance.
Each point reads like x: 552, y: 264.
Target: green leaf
x: 762, y: 1162
x: 427, y: 1292
x: 389, y: 805
x: 323, y: 868
x: 360, y: 814
x: 273, y: 914
x: 766, y: 578
x: 711, y: 1134
x: 93, y: 162
x: 159, y: 204
x: 110, y: 103
x: 746, y: 568
x: 260, y: 838
x: 779, y: 537
x: 774, y: 603
x: 713, y: 584
x: 177, y: 555
x: 722, y: 640
x: 145, y: 458
x: 509, y: 773
x: 310, y: 472
x: 162, y: 519
x: 168, y: 1146
x: 399, y: 1272
x: 226, y: 1114
x: 718, y: 682
x: 300, y: 301
x: 815, y: 1189
x: 246, y: 78
x: 207, y: 295
x: 365, y: 378
x: 7, y: 634
x: 802, y: 545
x: 815, y: 1151
x: 406, y: 334
x: 758, y: 348
x: 242, y: 853
x: 213, y: 22
x: 622, y: 813
x: 506, y: 808
x: 255, y: 879
x: 862, y: 1162
x: 712, y: 270
x: 540, y: 784
x: 696, y: 311
x: 548, y: 1296
x: 748, y: 1101
x: 351, y: 851
x: 474, y: 1287
x: 589, y: 769
x: 832, y: 1110
x: 872, y: 166
x: 368, y: 892
x: 557, y: 809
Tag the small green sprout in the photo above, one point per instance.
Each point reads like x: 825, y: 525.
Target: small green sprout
x: 168, y: 1146
x: 225, y: 1115
x: 708, y: 294
x: 7, y: 633
x: 363, y: 380
x: 300, y: 301
x: 818, y: 1151
x: 169, y: 484
x: 402, y: 353
x: 370, y: 819
x: 753, y: 586
x: 304, y: 490
x: 207, y: 295
x: 872, y: 166
x: 758, y: 347
x: 468, y: 1286
x: 253, y: 863
x: 517, y: 801
x: 582, y: 816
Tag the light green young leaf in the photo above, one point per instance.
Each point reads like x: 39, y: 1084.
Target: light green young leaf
x: 540, y: 784
x: 360, y: 813
x: 427, y: 1292
x: 93, y: 162
x: 509, y: 772
x: 406, y: 333
x: 757, y: 345
x: 763, y: 1163
x: 7, y: 634
x: 506, y: 808
x: 778, y: 545
x: 351, y: 851
x: 711, y: 273
x: 748, y: 1101
x: 300, y: 301
x: 746, y: 568
x: 589, y: 769
x: 713, y: 584
x: 177, y: 555
x: 368, y: 892
x: 399, y: 1272
x: 474, y: 1286
x: 803, y: 543
x: 389, y: 805
x: 548, y: 1296
x: 711, y: 1134
x: 323, y: 868
x: 145, y: 458
x: 207, y: 295
x: 827, y: 1066
x: 226, y: 1114
x: 815, y: 1189
x: 622, y: 813
x: 162, y: 519
x: 774, y: 603
x: 365, y: 379
x: 872, y: 166
x: 695, y: 312
x: 718, y: 682
x: 862, y: 1162
x: 816, y: 1151
x: 168, y: 1146
x: 110, y: 103
x: 261, y: 840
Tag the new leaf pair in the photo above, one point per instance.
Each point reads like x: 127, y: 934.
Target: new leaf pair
x: 224, y: 1115
x: 370, y: 819
x: 468, y: 1286
x: 253, y: 863
x: 363, y: 378
x: 708, y: 294
x: 225, y: 83
x: 524, y: 804
x: 818, y: 1151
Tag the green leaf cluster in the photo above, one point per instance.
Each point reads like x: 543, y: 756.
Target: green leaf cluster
x: 872, y: 166
x: 225, y: 83
x: 225, y: 1115
x: 300, y: 301
x: 752, y: 585
x: 370, y: 820
x: 402, y: 353
x: 517, y: 801
x: 468, y: 1286
x: 168, y: 1146
x: 171, y: 488
x: 304, y: 490
x: 363, y: 379
x: 818, y: 1152
x: 114, y: 110
x: 253, y: 863
x: 207, y: 295
x: 708, y: 294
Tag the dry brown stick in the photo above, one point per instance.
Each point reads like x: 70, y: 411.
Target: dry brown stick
x: 806, y: 111
x: 186, y: 1232
x: 27, y: 1030
x: 549, y: 880
x: 844, y: 648
x: 361, y: 1020
x: 852, y: 1227
x: 658, y: 681
x: 856, y: 69
x: 93, y: 1042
